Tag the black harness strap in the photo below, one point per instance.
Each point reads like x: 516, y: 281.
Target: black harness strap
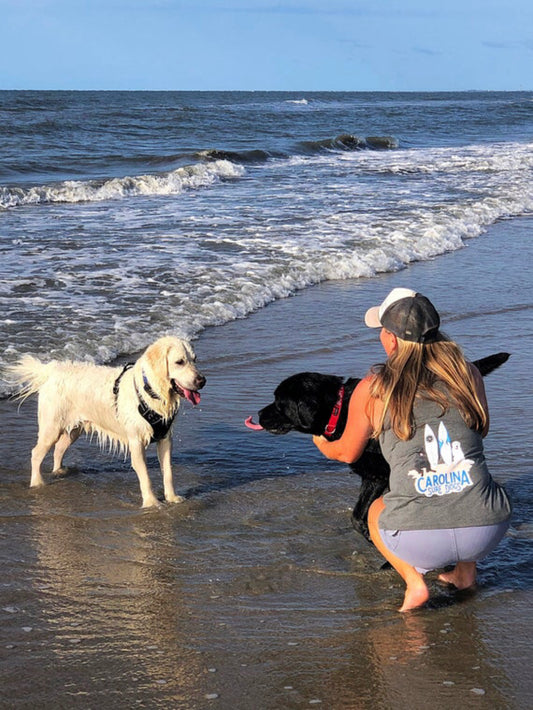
x: 116, y: 386
x: 148, y: 388
x: 159, y: 424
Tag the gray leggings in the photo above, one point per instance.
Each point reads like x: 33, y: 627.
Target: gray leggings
x: 433, y: 549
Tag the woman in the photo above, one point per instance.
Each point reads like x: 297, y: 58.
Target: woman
x: 428, y: 407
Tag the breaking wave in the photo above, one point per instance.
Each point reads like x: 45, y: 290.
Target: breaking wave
x: 189, y: 177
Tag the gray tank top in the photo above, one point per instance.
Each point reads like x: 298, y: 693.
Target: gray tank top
x: 439, y: 478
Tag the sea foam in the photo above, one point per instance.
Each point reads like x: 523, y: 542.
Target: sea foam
x: 170, y: 183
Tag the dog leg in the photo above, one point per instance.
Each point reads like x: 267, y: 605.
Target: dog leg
x: 62, y: 444
x: 371, y: 488
x: 164, y: 454
x: 45, y: 440
x: 138, y: 461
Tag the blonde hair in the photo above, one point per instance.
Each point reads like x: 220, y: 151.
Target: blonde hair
x: 414, y: 370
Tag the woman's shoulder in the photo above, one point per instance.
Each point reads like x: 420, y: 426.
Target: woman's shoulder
x: 364, y: 399
x: 364, y: 387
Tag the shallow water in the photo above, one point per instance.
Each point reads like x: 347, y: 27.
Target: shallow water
x: 127, y: 215
x: 255, y: 592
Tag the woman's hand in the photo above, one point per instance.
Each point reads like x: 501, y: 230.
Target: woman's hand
x: 318, y: 441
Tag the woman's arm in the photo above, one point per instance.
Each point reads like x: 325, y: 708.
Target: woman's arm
x: 358, y: 428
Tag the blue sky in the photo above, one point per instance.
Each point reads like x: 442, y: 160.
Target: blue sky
x: 294, y: 45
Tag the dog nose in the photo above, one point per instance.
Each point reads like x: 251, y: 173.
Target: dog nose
x: 200, y: 381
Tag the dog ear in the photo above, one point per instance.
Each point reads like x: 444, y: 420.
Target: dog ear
x: 157, y: 358
x: 307, y: 411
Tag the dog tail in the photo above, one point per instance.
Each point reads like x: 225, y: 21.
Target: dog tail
x: 487, y: 364
x: 29, y: 374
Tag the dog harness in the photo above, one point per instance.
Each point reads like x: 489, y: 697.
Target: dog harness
x: 159, y: 424
x: 117, y: 381
x: 331, y: 426
x: 148, y: 389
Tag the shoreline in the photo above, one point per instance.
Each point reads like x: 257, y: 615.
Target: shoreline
x: 255, y: 592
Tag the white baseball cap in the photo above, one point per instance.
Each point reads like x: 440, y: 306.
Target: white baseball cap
x: 408, y: 314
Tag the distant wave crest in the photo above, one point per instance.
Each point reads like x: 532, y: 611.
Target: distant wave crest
x: 241, y: 156
x: 342, y: 142
x: 189, y: 177
x: 348, y: 141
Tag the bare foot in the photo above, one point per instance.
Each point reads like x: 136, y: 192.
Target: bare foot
x: 416, y: 595
x: 462, y: 576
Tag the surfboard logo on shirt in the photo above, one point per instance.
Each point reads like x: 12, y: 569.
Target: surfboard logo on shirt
x: 447, y: 469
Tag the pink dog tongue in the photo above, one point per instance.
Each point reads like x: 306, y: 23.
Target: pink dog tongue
x: 190, y: 396
x: 252, y: 425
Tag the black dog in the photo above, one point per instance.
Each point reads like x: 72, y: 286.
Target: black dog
x: 312, y: 403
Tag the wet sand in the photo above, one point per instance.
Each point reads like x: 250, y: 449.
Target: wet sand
x: 256, y: 593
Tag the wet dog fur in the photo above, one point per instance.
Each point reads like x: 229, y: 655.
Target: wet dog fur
x: 125, y: 407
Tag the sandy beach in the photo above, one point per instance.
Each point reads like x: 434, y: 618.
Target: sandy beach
x: 256, y: 594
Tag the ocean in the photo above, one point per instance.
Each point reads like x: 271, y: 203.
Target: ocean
x: 262, y: 226
x: 125, y: 216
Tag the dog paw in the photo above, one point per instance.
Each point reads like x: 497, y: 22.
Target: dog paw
x: 175, y: 499
x: 151, y: 502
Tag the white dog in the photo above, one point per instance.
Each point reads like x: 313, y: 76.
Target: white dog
x: 127, y: 408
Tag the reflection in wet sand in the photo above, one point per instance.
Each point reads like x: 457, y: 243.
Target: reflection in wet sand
x: 110, y: 599
x: 433, y: 656
x: 256, y: 591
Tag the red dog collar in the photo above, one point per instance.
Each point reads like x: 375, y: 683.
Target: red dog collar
x: 335, y: 414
